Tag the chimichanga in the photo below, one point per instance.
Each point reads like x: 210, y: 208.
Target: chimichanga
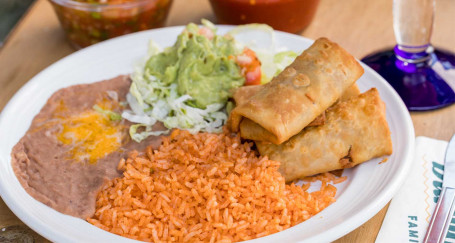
x: 304, y: 90
x: 355, y: 131
x: 243, y: 94
x: 352, y: 91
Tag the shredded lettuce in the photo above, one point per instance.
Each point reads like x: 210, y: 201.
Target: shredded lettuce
x: 209, y: 25
x: 282, y: 60
x: 113, y: 116
x: 139, y: 136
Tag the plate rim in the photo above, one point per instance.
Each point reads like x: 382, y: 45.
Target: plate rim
x: 353, y: 222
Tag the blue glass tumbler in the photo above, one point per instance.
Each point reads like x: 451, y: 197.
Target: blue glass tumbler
x: 422, y: 75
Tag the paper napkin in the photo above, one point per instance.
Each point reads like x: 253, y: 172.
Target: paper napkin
x: 410, y: 210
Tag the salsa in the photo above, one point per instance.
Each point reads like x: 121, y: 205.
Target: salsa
x: 87, y: 22
x: 286, y: 15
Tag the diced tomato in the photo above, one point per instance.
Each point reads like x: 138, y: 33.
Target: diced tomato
x: 206, y: 32
x: 250, y: 66
x: 253, y: 77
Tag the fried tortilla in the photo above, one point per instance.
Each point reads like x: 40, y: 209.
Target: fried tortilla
x: 355, y: 131
x: 244, y: 93
x: 352, y: 91
x: 293, y: 99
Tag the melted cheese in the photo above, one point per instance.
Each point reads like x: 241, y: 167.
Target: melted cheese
x: 92, y: 135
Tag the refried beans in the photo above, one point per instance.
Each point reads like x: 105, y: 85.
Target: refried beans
x: 62, y: 161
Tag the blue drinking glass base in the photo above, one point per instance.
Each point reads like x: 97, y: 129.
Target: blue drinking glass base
x: 422, y: 86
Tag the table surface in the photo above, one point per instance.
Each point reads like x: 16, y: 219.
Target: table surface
x: 359, y: 26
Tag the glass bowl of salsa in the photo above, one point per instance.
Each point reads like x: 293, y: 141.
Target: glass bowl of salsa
x: 87, y: 22
x: 286, y: 15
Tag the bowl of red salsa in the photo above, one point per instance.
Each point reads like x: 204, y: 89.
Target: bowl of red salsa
x: 87, y: 22
x: 286, y: 15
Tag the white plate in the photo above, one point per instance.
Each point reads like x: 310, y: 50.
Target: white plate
x: 368, y: 188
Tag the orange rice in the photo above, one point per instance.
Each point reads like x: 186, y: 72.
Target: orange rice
x: 204, y: 187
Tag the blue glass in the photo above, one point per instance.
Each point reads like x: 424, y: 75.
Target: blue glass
x: 421, y: 86
x: 424, y: 77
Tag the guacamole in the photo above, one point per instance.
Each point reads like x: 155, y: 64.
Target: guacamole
x: 202, y: 67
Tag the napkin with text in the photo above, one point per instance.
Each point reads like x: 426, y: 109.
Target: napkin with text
x: 410, y: 210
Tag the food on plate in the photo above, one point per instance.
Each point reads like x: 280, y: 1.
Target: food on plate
x: 76, y: 141
x: 149, y: 156
x: 204, y: 187
x: 355, y: 131
x: 87, y: 22
x: 243, y: 94
x: 312, y: 83
x: 71, y: 149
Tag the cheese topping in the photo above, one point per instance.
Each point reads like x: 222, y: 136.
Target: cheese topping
x: 92, y: 134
